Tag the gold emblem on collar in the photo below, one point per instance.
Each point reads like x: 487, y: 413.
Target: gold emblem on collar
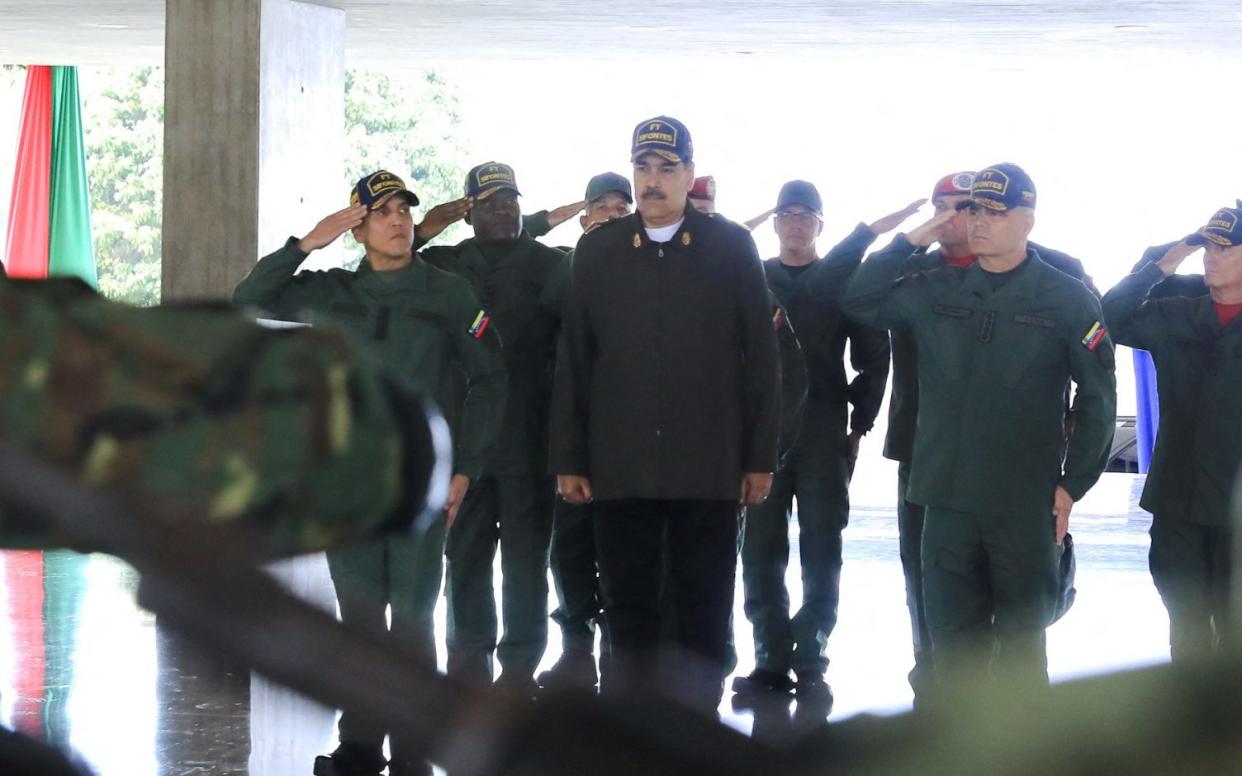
x: 638, y: 241
x: 685, y: 239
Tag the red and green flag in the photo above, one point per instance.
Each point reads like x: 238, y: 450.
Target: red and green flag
x: 50, y: 211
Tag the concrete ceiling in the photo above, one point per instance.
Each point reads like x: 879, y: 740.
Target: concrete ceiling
x: 416, y: 32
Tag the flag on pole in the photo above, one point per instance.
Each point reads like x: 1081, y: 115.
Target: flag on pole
x: 49, y: 229
x: 1147, y: 418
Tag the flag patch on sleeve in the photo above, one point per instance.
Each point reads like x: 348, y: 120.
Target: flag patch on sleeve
x: 1094, y: 336
x: 778, y: 318
x: 481, y: 322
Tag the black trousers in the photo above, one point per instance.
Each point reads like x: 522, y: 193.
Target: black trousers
x: 1192, y: 567
x: 514, y: 513
x: 575, y: 576
x: 800, y: 642
x: 702, y: 546
x: 910, y: 541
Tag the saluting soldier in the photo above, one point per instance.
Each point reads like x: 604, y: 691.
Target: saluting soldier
x: 511, y: 504
x: 667, y: 413
x: 952, y: 248
x: 997, y: 345
x: 1196, y: 345
x: 816, y: 472
x: 429, y: 327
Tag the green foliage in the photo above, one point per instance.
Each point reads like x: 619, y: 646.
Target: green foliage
x: 406, y: 124
x: 124, y: 151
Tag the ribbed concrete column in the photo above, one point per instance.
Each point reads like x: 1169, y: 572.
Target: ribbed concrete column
x: 254, y: 112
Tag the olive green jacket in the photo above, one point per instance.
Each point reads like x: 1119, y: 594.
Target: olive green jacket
x: 518, y: 289
x: 903, y: 401
x: 424, y: 324
x: 993, y: 369
x: 1198, y: 362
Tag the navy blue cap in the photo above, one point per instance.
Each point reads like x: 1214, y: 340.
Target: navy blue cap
x: 801, y: 193
x: 1224, y: 228
x: 1001, y: 187
x: 665, y: 136
x: 489, y: 178
x: 607, y: 182
x: 375, y: 189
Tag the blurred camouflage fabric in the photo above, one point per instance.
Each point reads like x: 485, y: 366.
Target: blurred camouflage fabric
x: 199, y: 412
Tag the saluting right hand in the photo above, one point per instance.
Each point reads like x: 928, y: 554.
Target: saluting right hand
x: 441, y: 216
x: 750, y: 224
x: 1174, y: 257
x: 893, y: 220
x: 574, y: 489
x: 928, y: 232
x: 332, y: 227
x: 560, y: 215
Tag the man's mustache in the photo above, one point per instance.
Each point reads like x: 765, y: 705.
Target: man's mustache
x: 654, y: 194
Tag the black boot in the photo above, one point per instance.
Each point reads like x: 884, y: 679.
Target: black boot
x: 572, y: 671
x: 351, y: 759
x: 763, y: 681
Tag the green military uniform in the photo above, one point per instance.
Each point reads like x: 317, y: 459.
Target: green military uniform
x: 816, y: 469
x: 995, y: 354
x: 903, y: 409
x: 537, y: 224
x: 512, y: 504
x: 1198, y: 451
x: 429, y: 326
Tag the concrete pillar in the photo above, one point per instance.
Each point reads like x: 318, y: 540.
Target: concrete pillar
x: 254, y: 112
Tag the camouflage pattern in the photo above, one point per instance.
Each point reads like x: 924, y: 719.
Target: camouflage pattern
x: 291, y: 430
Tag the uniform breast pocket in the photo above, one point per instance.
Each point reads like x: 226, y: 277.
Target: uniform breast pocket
x: 354, y: 317
x: 1029, y: 344
x: 947, y: 344
x: 427, y: 332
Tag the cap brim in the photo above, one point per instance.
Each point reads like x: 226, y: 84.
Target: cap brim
x: 410, y: 197
x: 1203, y: 237
x: 661, y: 152
x: 597, y: 195
x: 485, y: 193
x: 817, y: 211
x: 990, y: 204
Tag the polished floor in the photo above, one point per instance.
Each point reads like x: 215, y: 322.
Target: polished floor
x: 83, y: 666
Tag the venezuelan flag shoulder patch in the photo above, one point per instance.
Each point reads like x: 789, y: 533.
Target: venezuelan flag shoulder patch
x: 1094, y: 336
x: 481, y: 322
x: 778, y: 318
